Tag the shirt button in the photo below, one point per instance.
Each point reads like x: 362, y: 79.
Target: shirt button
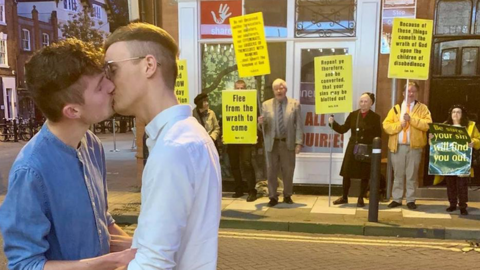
x: 93, y: 204
x: 99, y: 231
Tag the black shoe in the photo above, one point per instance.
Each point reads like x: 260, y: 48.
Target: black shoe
x: 463, y: 211
x: 340, y: 200
x: 237, y: 195
x: 272, y: 202
x: 288, y: 200
x: 394, y: 204
x: 411, y: 206
x: 252, y: 197
x: 451, y: 208
x: 360, y: 202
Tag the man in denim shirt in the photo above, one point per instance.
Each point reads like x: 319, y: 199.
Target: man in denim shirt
x: 55, y: 213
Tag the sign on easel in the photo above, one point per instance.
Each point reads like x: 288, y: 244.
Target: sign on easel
x: 333, y: 92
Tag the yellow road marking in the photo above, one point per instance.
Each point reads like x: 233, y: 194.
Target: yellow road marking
x: 339, y: 239
x: 343, y: 243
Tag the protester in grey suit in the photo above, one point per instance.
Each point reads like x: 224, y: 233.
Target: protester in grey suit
x: 283, y: 127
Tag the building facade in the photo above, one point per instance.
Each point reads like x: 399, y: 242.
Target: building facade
x: 8, y: 59
x: 299, y: 30
x: 66, y: 9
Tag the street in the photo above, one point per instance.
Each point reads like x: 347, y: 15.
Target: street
x: 241, y: 249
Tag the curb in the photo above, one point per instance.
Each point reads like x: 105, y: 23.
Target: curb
x: 366, y: 229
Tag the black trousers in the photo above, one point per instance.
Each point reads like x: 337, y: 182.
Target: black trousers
x: 346, y: 187
x: 457, y: 191
x: 240, y: 156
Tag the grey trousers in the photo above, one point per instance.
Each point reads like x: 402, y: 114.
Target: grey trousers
x: 284, y: 159
x: 405, y: 162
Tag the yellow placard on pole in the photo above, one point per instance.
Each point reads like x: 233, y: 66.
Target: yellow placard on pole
x: 181, y: 85
x: 239, y: 116
x: 410, y: 53
x: 333, y: 84
x: 250, y: 45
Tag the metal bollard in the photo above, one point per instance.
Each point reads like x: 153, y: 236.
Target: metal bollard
x: 15, y: 131
x: 375, y: 180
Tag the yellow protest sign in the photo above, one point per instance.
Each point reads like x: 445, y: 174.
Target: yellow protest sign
x: 239, y: 116
x: 410, y: 54
x: 181, y: 85
x: 333, y: 84
x: 250, y: 45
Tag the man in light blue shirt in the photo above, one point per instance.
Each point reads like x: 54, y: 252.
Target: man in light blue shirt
x: 55, y: 213
x: 181, y: 183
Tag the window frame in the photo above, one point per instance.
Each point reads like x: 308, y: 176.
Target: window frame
x: 97, y: 10
x: 70, y: 5
x: 47, y: 36
x: 4, y: 38
x: 26, y: 39
x: 3, y: 19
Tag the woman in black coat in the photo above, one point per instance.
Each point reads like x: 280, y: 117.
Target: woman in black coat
x: 364, y: 132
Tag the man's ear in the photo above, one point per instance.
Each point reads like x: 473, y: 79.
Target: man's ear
x: 151, y: 66
x: 71, y: 111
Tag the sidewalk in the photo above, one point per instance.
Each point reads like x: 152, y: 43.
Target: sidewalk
x: 311, y: 214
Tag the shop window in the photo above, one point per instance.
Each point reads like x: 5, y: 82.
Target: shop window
x: 320, y: 18
x: 469, y: 61
x: 449, y: 62
x: 316, y: 130
x: 453, y: 17
x: 220, y: 71
x: 274, y: 15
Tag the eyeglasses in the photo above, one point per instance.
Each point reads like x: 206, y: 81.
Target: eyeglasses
x: 107, y: 68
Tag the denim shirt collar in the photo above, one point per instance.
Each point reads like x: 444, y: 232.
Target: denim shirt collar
x: 59, y: 143
x: 154, y: 128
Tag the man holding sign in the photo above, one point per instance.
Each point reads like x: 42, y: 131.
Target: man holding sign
x: 283, y: 128
x: 407, y: 127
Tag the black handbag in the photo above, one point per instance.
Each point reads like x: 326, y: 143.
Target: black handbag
x: 361, y: 151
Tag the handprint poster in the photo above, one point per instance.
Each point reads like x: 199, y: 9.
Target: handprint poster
x: 215, y: 18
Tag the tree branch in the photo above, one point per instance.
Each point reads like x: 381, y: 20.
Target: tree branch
x: 219, y: 78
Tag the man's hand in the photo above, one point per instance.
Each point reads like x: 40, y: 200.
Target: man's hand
x: 298, y: 148
x: 470, y: 144
x: 260, y: 119
x: 406, y: 117
x: 120, y: 243
x: 122, y: 258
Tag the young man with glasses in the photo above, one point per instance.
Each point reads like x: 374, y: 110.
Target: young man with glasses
x: 181, y: 183
x: 55, y: 213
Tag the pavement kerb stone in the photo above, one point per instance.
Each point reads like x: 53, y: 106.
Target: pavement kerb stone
x: 367, y: 229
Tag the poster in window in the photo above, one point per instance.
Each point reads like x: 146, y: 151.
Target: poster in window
x: 394, y: 9
x: 214, y: 18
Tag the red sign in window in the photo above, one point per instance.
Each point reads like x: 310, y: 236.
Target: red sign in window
x: 215, y: 18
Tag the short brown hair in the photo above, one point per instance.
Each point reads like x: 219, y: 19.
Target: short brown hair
x: 411, y: 84
x: 151, y: 40
x: 53, y: 75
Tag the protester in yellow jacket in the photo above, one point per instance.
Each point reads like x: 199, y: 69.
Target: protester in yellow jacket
x: 457, y: 186
x: 407, y: 128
